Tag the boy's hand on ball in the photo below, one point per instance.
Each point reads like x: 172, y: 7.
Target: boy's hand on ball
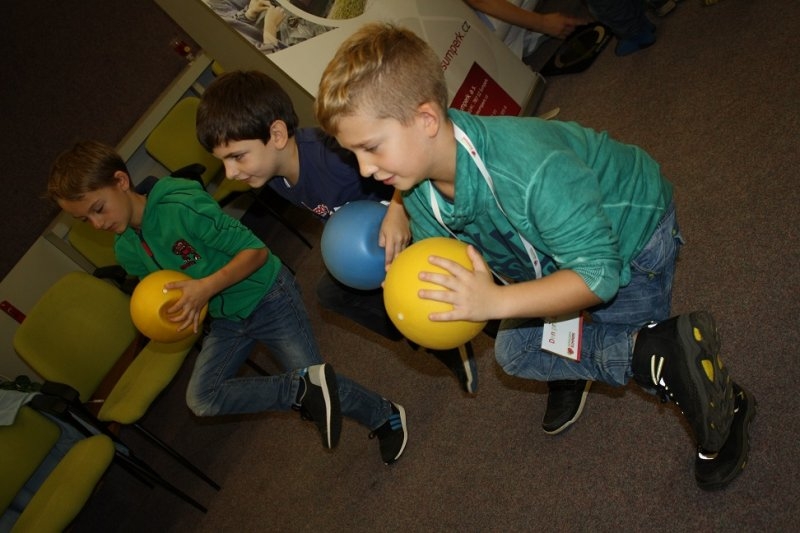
x: 470, y: 292
x: 187, y: 311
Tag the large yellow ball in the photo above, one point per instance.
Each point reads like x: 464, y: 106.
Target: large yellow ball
x: 149, y: 304
x: 408, y: 312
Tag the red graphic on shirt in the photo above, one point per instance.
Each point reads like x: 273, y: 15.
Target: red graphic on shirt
x: 187, y: 253
x: 321, y: 210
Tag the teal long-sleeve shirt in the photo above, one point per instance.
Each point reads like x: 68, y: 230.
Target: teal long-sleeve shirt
x: 585, y: 202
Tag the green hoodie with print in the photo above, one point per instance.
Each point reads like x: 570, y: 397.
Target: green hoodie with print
x: 184, y: 229
x: 584, y: 201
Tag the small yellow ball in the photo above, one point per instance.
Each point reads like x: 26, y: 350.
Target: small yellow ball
x: 408, y: 312
x: 149, y: 304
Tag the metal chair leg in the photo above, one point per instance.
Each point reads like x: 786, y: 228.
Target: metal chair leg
x: 178, y: 457
x: 144, y: 473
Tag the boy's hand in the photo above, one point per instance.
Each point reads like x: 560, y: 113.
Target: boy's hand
x: 187, y: 309
x: 395, y: 233
x: 473, y: 294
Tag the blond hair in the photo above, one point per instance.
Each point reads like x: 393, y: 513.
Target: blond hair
x: 381, y: 69
x: 87, y: 166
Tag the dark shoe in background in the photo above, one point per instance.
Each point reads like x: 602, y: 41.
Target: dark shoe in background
x: 565, y: 403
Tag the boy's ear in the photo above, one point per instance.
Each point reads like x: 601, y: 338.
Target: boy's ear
x: 430, y: 116
x: 122, y: 180
x: 279, y: 134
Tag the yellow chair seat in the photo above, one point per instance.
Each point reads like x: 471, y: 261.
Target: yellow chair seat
x: 146, y: 377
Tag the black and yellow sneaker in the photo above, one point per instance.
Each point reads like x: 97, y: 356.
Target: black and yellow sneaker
x: 679, y: 359
x: 716, y: 471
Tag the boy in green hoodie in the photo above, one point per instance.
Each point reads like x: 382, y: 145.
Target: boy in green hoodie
x: 251, y: 297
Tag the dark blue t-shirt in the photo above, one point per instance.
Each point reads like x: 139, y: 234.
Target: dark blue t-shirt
x: 329, y: 176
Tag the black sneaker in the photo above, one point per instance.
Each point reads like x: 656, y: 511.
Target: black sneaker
x: 679, y: 359
x: 461, y: 361
x: 716, y: 472
x: 318, y: 400
x: 392, y: 435
x: 565, y: 403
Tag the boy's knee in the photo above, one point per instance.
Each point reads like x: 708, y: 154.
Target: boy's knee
x: 512, y: 350
x: 504, y: 356
x: 199, y: 406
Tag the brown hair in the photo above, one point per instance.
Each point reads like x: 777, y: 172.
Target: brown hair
x: 87, y: 166
x: 382, y: 69
x: 241, y: 106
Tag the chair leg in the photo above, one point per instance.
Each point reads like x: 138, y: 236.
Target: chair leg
x: 178, y: 457
x: 144, y: 473
x: 280, y: 218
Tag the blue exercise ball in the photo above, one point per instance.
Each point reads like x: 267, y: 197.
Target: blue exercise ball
x: 349, y: 245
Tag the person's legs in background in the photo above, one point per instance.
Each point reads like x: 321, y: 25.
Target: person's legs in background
x: 628, y: 21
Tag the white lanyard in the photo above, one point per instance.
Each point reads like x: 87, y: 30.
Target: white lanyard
x: 462, y: 138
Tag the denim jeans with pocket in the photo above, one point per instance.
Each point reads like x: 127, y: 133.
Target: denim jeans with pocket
x: 607, y: 342
x: 280, y: 323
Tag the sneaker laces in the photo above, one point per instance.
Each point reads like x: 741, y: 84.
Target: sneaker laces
x: 298, y: 405
x: 656, y: 369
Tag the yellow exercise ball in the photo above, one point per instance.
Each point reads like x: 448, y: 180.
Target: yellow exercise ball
x: 408, y: 312
x: 149, y: 304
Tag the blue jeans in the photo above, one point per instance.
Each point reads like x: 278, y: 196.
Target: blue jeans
x: 280, y: 323
x: 607, y: 344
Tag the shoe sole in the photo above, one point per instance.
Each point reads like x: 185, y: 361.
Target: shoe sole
x: 700, y: 342
x: 470, y: 371
x: 325, y: 378
x: 402, y: 414
x: 577, y: 414
x: 748, y: 415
